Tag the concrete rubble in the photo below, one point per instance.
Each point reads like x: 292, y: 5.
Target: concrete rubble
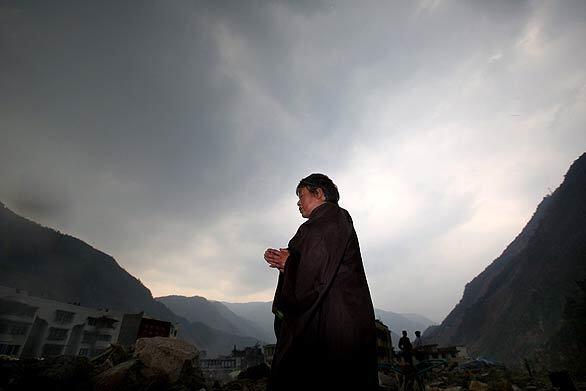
x: 167, y: 355
x: 156, y: 364
x: 168, y: 364
x: 454, y: 378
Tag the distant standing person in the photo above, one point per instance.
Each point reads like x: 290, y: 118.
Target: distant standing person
x: 406, y: 347
x: 324, y: 318
x: 418, y: 346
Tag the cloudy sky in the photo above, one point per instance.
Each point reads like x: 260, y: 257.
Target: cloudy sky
x: 171, y: 135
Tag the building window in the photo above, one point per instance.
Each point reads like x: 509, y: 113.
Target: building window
x: 102, y: 322
x: 9, y: 350
x: 56, y: 334
x: 19, y: 329
x: 64, y: 316
x: 104, y: 337
x: 13, y: 328
x: 52, y: 350
x: 11, y: 307
x: 83, y: 352
x: 88, y: 337
x: 105, y: 322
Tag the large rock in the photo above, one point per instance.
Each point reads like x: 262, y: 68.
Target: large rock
x: 166, y: 354
x: 158, y: 364
x: 131, y: 375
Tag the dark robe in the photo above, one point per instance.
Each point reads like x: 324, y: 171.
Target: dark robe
x: 326, y: 335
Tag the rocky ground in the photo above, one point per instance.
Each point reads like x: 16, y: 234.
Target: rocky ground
x: 156, y: 364
x: 169, y: 364
x: 491, y: 378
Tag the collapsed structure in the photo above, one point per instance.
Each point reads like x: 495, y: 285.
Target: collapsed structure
x: 35, y: 327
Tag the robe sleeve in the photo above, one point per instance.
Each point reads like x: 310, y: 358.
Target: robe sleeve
x: 309, y: 271
x: 280, y: 301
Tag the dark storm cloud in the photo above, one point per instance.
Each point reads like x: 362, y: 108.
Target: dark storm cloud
x: 174, y: 133
x: 128, y: 90
x: 38, y: 198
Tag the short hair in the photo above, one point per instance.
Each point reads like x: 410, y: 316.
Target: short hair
x: 321, y: 181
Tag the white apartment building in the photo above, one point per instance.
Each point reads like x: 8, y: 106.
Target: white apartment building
x: 32, y: 327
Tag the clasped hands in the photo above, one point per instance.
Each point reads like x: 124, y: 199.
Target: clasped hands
x: 277, y: 258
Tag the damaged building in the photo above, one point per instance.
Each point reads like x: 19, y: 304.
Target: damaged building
x: 222, y: 367
x: 34, y: 327
x: 384, y: 344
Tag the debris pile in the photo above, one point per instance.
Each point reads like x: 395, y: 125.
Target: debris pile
x: 251, y: 379
x: 167, y: 364
x: 475, y: 375
x: 156, y: 364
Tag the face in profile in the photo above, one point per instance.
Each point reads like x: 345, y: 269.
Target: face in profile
x: 308, y: 201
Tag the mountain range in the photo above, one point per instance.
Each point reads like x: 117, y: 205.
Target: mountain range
x: 256, y: 319
x: 529, y: 302
x: 217, y: 315
x: 49, y: 264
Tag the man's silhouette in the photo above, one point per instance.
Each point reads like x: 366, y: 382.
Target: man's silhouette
x: 406, y: 347
x: 418, y: 346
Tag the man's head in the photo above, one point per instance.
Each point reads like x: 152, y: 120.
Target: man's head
x: 404, y: 333
x: 314, y: 182
x: 418, y: 334
x: 313, y: 191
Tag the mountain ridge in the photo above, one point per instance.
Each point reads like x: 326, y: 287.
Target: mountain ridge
x: 260, y: 313
x: 214, y: 314
x: 48, y: 263
x: 516, y: 305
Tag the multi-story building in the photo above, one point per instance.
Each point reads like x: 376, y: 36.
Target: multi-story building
x: 222, y: 367
x: 16, y: 320
x: 38, y: 327
x: 457, y: 354
x: 32, y: 327
x: 250, y: 356
x: 135, y: 326
x: 384, y: 344
x: 268, y: 352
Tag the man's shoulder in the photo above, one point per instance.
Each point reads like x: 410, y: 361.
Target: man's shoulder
x: 333, y: 223
x: 304, y: 232
x: 335, y: 215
